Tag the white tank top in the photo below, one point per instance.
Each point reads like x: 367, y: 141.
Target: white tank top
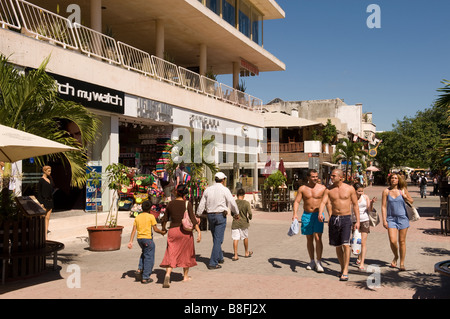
x: 363, y: 209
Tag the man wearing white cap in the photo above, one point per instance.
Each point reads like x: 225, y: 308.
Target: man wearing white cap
x: 215, y: 200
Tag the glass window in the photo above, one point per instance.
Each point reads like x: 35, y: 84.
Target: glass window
x: 213, y: 5
x: 229, y: 11
x: 244, y: 18
x: 256, y: 27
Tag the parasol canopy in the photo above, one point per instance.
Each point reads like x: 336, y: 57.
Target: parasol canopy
x: 16, y: 145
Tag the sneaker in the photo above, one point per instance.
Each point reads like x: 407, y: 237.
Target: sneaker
x: 319, y: 267
x: 310, y: 265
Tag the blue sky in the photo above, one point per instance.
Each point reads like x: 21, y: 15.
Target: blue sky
x: 330, y: 52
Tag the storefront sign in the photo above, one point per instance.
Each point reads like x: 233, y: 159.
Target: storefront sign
x: 203, y: 122
x: 158, y: 111
x: 90, y: 95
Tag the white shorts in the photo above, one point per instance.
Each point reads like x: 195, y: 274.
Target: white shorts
x: 239, y: 234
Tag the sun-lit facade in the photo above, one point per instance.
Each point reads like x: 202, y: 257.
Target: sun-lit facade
x: 147, y: 68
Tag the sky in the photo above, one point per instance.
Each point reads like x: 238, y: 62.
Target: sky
x: 330, y: 52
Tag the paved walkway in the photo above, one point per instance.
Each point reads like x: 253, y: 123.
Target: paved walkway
x: 275, y: 271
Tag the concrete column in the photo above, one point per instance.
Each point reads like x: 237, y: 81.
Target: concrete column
x: 96, y: 15
x: 203, y: 59
x: 236, y: 72
x: 160, y: 38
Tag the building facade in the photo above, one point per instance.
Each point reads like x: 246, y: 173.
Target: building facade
x: 145, y: 68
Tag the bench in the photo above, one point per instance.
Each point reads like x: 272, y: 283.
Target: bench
x: 444, y: 215
x: 443, y: 267
x: 51, y: 248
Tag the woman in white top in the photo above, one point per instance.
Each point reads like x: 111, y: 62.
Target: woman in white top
x: 365, y: 205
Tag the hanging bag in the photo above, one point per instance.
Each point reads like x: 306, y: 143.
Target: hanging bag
x: 374, y: 218
x: 411, y: 211
x: 186, y: 221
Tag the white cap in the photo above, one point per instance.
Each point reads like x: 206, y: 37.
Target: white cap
x: 220, y: 175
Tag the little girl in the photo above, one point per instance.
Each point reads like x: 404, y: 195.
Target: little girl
x: 365, y: 205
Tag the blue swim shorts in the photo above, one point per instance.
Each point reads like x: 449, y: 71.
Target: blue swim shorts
x: 311, y: 223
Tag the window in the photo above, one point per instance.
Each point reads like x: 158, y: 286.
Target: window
x: 213, y: 5
x: 256, y: 27
x: 229, y: 11
x: 244, y: 18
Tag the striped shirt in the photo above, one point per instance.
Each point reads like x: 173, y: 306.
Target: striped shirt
x: 216, y: 199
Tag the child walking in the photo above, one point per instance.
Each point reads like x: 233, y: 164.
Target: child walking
x: 239, y: 226
x: 144, y: 223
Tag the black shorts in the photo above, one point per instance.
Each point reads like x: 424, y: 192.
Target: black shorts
x: 340, y: 230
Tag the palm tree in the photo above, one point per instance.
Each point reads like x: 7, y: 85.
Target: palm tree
x: 30, y: 102
x: 350, y: 152
x: 444, y: 102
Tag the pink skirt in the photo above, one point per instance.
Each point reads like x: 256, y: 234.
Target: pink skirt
x: 180, y: 251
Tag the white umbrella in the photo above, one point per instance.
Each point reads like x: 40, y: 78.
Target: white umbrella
x: 372, y: 168
x: 16, y: 145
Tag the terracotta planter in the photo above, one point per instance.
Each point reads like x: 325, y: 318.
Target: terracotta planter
x: 103, y: 238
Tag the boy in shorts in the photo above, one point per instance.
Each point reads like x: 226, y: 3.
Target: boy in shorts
x: 239, y: 227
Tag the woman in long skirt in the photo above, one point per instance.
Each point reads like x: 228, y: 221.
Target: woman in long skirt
x: 180, y: 251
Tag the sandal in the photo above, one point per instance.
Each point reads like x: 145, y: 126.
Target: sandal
x: 166, y: 283
x: 343, y: 278
x: 250, y: 253
x: 234, y: 258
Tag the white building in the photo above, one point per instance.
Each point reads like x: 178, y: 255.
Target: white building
x: 113, y: 57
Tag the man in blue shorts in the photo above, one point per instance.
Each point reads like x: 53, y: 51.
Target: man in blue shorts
x: 341, y: 197
x: 312, y: 227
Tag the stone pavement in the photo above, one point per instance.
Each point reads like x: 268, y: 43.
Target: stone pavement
x: 275, y: 271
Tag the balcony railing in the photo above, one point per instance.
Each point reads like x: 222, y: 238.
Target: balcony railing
x: 8, y: 15
x: 45, y: 25
x: 292, y: 147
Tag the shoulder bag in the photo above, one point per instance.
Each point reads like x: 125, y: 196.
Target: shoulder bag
x: 186, y: 221
x: 411, y: 211
x: 374, y: 218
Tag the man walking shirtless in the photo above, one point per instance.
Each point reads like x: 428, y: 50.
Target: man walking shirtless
x: 312, y: 227
x: 341, y: 197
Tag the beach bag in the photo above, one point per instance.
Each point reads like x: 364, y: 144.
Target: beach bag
x: 186, y: 221
x: 374, y: 218
x: 411, y: 211
x: 356, y: 242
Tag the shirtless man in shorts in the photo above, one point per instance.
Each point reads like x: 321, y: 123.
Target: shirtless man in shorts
x: 312, y: 228
x: 342, y: 197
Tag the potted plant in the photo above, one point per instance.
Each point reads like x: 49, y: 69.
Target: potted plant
x: 109, y: 236
x: 275, y: 181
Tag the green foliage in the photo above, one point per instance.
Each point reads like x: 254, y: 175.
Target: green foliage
x: 197, y: 162
x: 329, y: 133
x: 349, y: 152
x: 419, y: 141
x: 274, y: 180
x: 31, y: 103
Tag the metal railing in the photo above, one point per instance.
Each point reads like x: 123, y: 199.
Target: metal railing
x: 43, y: 24
x: 211, y: 87
x: 135, y: 59
x: 97, y: 44
x: 166, y: 71
x: 8, y: 15
x: 47, y: 25
x: 228, y: 93
x: 190, y: 79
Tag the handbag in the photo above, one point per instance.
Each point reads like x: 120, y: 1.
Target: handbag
x: 186, y: 221
x: 411, y: 211
x: 374, y: 218
x: 356, y: 242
